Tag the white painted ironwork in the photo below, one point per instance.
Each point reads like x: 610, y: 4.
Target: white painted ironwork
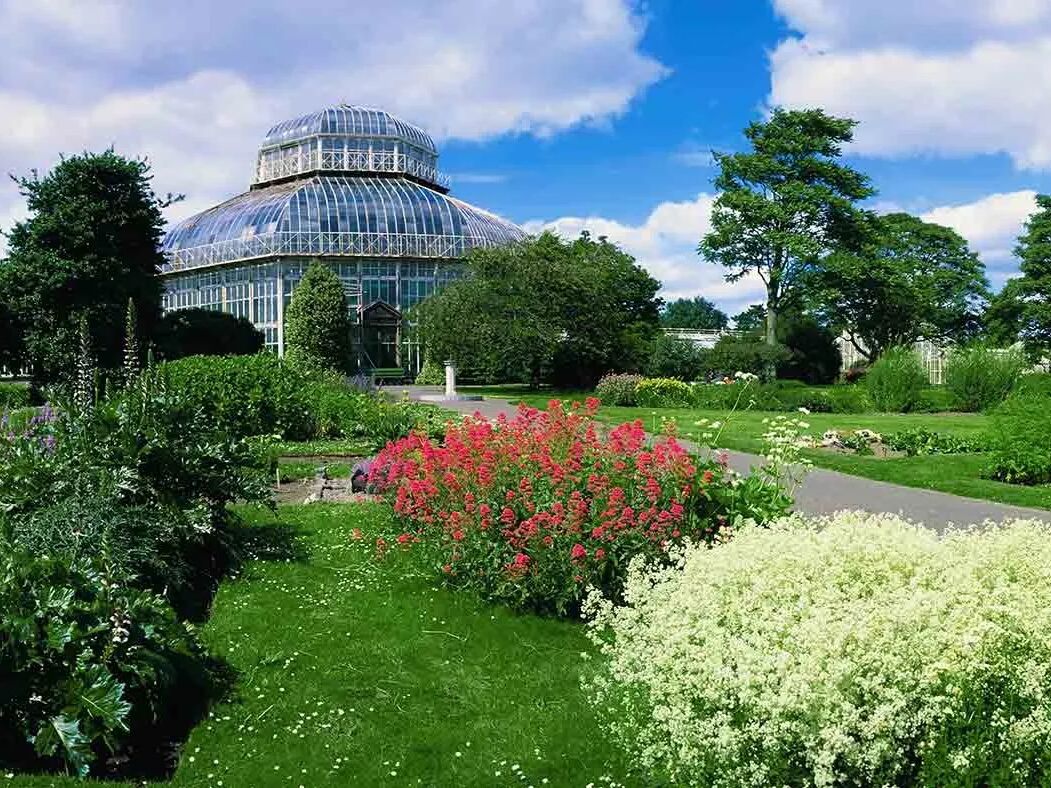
x: 702, y: 337
x: 287, y: 163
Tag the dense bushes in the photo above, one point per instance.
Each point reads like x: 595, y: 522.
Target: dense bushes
x: 206, y: 332
x: 896, y: 381
x: 113, y: 527
x: 663, y: 393
x: 317, y: 322
x: 265, y: 395
x: 853, y: 650
x: 677, y: 358
x: 618, y: 390
x: 531, y: 511
x: 1021, y: 434
x: 980, y: 377
x: 749, y: 354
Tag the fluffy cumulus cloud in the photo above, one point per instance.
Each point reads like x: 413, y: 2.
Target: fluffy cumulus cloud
x: 195, y: 84
x: 991, y: 226
x: 948, y: 77
x: 665, y: 244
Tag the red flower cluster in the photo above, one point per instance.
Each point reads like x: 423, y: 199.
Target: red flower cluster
x: 531, y: 510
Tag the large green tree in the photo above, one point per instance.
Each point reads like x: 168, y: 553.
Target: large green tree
x: 784, y: 204
x: 89, y: 245
x: 544, y: 310
x: 317, y: 322
x: 908, y: 280
x: 1034, y: 252
x: 1002, y: 321
x: 697, y: 313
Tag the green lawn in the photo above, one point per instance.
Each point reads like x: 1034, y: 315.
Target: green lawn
x: 354, y: 672
x: 958, y: 474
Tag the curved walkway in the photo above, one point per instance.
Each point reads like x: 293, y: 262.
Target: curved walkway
x: 824, y: 492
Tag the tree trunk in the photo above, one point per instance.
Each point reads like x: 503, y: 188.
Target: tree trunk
x: 770, y: 368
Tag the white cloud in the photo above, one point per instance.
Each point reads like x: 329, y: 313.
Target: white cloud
x: 195, y: 85
x: 665, y: 244
x: 949, y: 77
x: 991, y: 226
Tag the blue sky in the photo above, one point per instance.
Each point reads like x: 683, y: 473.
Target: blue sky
x: 568, y: 114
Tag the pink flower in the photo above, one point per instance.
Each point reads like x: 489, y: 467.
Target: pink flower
x: 578, y: 553
x: 521, y: 560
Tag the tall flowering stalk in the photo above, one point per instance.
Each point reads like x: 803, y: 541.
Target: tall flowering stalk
x: 531, y: 510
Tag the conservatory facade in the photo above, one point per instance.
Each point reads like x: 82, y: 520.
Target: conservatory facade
x: 353, y: 187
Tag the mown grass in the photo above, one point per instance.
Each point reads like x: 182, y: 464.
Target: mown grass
x: 959, y: 474
x: 358, y: 672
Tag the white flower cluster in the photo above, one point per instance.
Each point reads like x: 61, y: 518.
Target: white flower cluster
x: 783, y: 441
x: 852, y: 650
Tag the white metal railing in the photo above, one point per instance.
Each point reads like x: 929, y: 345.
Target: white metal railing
x: 298, y: 161
x: 14, y: 374
x: 316, y: 243
x: 702, y: 337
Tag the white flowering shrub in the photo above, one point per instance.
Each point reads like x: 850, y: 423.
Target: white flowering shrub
x: 852, y: 650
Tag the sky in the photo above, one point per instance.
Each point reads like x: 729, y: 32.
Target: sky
x: 562, y: 114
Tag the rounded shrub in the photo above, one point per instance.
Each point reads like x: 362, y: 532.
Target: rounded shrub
x: 980, y: 377
x: 431, y: 374
x: 317, y: 322
x: 1021, y: 436
x: 663, y: 393
x: 857, y: 649
x: 617, y: 389
x: 677, y: 358
x: 895, y: 383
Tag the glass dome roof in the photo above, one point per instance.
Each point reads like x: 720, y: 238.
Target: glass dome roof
x: 335, y: 215
x: 349, y: 121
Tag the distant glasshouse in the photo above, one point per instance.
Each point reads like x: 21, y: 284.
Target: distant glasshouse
x: 355, y: 187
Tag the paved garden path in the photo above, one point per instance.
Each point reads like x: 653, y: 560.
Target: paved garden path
x: 826, y: 491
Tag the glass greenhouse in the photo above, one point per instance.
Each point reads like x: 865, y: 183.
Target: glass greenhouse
x: 354, y: 187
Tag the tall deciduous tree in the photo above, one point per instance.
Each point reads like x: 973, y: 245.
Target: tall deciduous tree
x: 1003, y: 319
x: 89, y: 245
x: 317, y: 322
x: 544, y: 310
x: 697, y: 312
x: 784, y: 204
x: 910, y: 280
x: 1034, y: 252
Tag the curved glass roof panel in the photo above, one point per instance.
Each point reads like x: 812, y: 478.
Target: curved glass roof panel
x: 335, y: 215
x: 349, y: 121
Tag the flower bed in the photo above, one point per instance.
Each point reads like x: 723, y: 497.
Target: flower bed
x: 851, y: 650
x: 532, y: 510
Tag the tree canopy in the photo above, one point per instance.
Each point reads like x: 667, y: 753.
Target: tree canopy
x: 544, y: 310
x: 317, y: 322
x: 784, y: 204
x: 697, y: 313
x: 909, y: 280
x: 1003, y: 318
x: 90, y: 243
x: 1034, y: 252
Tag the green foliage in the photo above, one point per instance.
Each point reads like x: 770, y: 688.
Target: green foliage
x: 673, y: 357
x: 1003, y: 319
x: 920, y: 441
x: 1021, y: 435
x: 246, y: 395
x: 618, y: 389
x: 752, y: 319
x: 782, y: 395
x: 784, y: 204
x: 14, y: 395
x: 88, y: 665
x: 909, y: 280
x: 1034, y: 252
x: 697, y: 313
x: 206, y: 332
x: 317, y: 322
x: 663, y: 393
x: 749, y: 354
x: 544, y: 310
x: 856, y: 649
x: 896, y: 382
x: 431, y: 374
x: 813, y: 354
x: 981, y: 377
x: 90, y: 244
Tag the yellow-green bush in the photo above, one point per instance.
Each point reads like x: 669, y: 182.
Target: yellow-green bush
x: 852, y: 650
x: 663, y: 393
